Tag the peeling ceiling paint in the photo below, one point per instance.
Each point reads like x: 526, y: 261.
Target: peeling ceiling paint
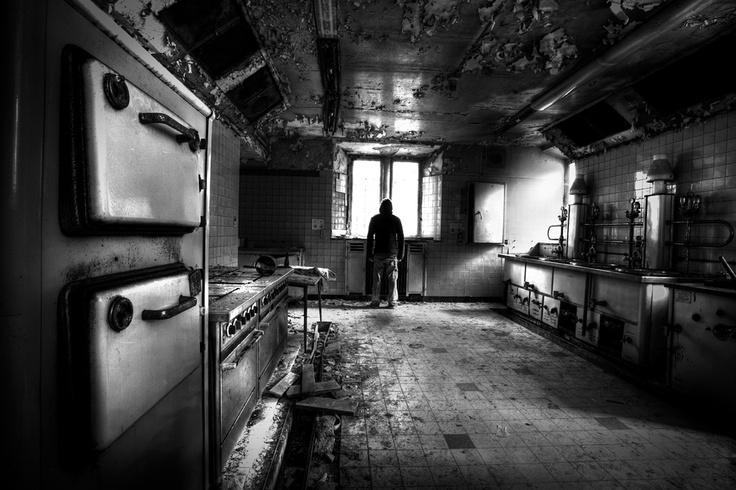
x: 436, y: 71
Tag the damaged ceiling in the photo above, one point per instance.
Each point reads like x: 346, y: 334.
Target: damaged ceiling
x: 380, y: 76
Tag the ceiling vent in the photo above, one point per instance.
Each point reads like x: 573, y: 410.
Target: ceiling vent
x: 699, y: 77
x: 220, y: 40
x: 256, y: 95
x: 593, y: 124
x: 216, y: 36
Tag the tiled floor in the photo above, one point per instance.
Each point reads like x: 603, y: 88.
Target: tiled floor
x: 455, y: 395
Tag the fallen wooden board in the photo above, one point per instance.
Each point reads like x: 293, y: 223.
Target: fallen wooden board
x: 280, y: 388
x: 322, y: 404
x: 307, y: 379
x: 319, y: 388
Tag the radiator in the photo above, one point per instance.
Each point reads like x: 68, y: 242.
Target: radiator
x: 359, y: 272
x: 355, y: 262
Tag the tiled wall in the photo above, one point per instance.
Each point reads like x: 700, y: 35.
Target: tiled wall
x: 703, y: 158
x: 277, y: 207
x: 224, y: 196
x: 534, y: 187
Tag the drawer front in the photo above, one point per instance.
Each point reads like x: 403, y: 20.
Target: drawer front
x: 535, y: 305
x: 616, y: 297
x: 514, y: 271
x: 518, y: 299
x: 571, y: 284
x: 550, y: 311
x: 540, y: 278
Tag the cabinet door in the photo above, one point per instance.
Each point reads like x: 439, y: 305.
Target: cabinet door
x: 539, y: 278
x: 486, y: 206
x: 570, y: 285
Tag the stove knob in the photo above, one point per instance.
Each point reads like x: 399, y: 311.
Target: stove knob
x: 231, y: 329
x: 238, y: 324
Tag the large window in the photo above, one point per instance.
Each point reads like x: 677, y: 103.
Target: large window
x: 373, y: 180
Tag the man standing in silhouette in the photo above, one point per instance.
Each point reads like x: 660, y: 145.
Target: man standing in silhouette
x: 385, y: 249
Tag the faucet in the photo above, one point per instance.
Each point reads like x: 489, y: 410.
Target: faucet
x: 592, y: 253
x: 559, y: 251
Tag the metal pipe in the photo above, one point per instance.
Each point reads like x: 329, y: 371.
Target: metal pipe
x: 690, y: 223
x: 617, y: 242
x: 669, y: 18
x: 613, y: 225
x: 727, y: 266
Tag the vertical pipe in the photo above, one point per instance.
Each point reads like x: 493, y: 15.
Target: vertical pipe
x: 21, y: 132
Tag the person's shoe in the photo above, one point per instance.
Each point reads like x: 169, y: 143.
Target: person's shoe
x: 392, y: 305
x: 375, y: 304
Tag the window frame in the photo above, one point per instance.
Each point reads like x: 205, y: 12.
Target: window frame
x: 386, y: 191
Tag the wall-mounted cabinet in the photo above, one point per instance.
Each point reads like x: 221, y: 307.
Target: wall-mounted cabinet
x: 486, y: 209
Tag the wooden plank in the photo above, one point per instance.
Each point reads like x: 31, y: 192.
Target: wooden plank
x: 307, y: 379
x: 319, y: 388
x: 322, y: 404
x: 280, y: 388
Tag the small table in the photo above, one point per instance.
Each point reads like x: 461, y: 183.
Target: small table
x: 300, y: 280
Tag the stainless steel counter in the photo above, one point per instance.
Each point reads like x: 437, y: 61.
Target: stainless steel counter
x: 613, y: 310
x: 619, y: 271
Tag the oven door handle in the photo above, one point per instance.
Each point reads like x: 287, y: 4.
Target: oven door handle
x: 188, y: 135
x: 227, y: 366
x: 185, y: 303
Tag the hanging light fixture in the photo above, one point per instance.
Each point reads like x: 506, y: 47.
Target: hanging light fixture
x: 328, y: 54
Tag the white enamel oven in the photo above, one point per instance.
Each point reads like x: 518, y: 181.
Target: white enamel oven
x: 125, y: 176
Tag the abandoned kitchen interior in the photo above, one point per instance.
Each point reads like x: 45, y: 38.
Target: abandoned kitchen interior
x: 187, y: 187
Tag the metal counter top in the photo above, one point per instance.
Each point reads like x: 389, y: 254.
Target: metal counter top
x: 618, y: 271
x: 710, y: 287
x: 233, y: 289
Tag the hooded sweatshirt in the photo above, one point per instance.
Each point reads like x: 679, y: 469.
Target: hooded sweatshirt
x: 388, y: 232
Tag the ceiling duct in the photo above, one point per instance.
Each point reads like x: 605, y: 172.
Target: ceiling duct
x: 699, y: 77
x: 256, y: 95
x: 669, y: 18
x: 593, y: 124
x: 220, y: 39
x: 216, y: 36
x: 328, y: 53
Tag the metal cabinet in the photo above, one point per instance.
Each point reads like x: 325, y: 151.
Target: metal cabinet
x: 616, y: 314
x: 702, y: 348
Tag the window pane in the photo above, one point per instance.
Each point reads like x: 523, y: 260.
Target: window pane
x: 405, y: 195
x: 365, y: 195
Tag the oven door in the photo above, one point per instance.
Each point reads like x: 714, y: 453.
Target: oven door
x: 128, y: 163
x: 129, y: 340
x: 238, y: 392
